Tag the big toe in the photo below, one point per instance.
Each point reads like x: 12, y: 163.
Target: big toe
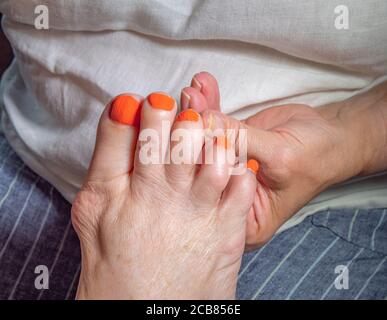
x: 116, y: 138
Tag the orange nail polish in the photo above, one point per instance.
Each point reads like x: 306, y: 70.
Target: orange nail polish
x: 253, y: 165
x: 188, y: 115
x: 223, y: 141
x: 125, y: 110
x: 161, y: 101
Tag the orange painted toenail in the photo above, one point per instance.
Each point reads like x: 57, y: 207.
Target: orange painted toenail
x: 161, y: 101
x: 253, y: 165
x: 188, y: 115
x: 222, y: 141
x: 126, y: 110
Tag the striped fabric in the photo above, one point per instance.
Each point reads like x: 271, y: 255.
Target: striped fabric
x: 299, y: 263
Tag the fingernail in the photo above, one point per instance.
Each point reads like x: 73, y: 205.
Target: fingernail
x: 125, y: 110
x: 161, y: 101
x: 222, y: 141
x: 185, y: 100
x: 188, y: 115
x: 253, y: 165
x: 196, y: 84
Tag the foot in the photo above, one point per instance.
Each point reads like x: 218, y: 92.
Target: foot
x: 159, y: 229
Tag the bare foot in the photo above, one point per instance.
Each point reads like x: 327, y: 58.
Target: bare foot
x: 159, y: 231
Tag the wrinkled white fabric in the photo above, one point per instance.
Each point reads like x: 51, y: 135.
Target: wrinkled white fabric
x: 263, y: 53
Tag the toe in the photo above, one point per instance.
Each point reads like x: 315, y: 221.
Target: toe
x: 187, y: 139
x: 208, y: 86
x: 240, y: 191
x: 214, y: 173
x: 157, y: 116
x: 235, y: 204
x: 116, y: 138
x: 194, y: 99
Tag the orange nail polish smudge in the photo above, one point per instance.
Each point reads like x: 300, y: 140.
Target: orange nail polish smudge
x: 188, y: 115
x: 253, y: 165
x: 161, y: 101
x: 223, y: 141
x: 126, y: 110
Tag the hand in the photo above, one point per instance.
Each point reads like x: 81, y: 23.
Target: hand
x: 300, y: 154
x: 302, y: 150
x: 311, y: 149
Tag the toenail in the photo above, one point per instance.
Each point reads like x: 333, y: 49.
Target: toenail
x: 253, y: 165
x: 125, y: 110
x: 222, y: 141
x: 196, y: 84
x: 161, y: 101
x: 188, y: 115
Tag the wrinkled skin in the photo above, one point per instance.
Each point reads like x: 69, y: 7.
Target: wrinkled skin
x: 158, y: 231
